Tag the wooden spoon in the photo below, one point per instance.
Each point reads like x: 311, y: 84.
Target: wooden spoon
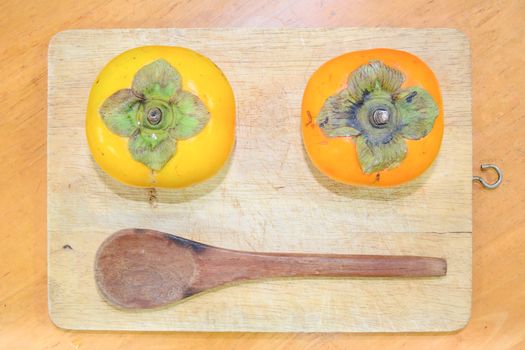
x: 136, y: 268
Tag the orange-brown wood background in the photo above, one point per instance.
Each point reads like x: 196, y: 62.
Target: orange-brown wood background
x: 496, y: 30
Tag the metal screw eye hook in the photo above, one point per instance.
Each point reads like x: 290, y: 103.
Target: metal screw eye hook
x: 485, y: 183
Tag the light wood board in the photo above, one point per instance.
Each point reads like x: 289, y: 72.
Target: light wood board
x: 268, y: 197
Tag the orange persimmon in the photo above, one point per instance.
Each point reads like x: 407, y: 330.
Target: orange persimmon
x: 372, y: 118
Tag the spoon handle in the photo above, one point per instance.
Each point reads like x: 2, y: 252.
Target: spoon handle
x: 222, y: 266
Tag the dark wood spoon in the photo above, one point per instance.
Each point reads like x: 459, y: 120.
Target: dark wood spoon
x: 136, y: 268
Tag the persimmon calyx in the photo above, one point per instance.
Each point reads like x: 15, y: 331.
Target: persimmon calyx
x: 380, y: 114
x: 154, y: 114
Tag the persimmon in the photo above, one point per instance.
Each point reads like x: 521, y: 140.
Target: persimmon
x: 372, y: 118
x: 161, y: 116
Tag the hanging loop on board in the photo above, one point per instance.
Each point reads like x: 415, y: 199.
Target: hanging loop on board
x: 485, y: 184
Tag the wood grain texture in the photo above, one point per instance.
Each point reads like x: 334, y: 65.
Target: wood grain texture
x: 268, y: 197
x: 496, y: 34
x: 138, y: 268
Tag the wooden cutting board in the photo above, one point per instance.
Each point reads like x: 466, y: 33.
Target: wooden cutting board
x: 268, y: 197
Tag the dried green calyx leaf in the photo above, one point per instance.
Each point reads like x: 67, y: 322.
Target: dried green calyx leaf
x: 153, y: 149
x: 157, y: 80
x: 119, y: 112
x: 154, y: 113
x: 418, y: 112
x: 334, y: 119
x: 191, y: 116
x: 374, y: 76
x: 374, y: 109
x: 376, y: 157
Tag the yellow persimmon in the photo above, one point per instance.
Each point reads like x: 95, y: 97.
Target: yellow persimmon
x: 161, y: 116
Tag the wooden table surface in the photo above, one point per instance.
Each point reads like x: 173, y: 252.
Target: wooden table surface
x: 496, y: 30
